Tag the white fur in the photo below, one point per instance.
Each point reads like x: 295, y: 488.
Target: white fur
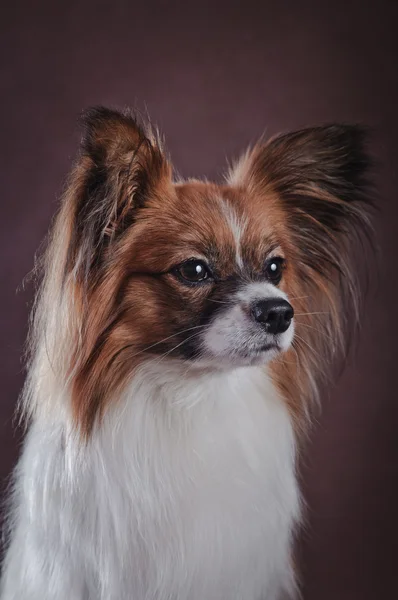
x: 187, y: 491
x: 237, y: 226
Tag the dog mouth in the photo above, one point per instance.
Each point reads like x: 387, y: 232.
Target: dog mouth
x: 258, y: 351
x: 267, y: 347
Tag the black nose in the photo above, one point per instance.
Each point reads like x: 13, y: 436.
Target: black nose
x: 275, y: 314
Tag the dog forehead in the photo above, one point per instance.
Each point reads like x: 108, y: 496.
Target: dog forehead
x: 242, y: 227
x: 219, y: 212
x: 207, y: 212
x: 224, y: 226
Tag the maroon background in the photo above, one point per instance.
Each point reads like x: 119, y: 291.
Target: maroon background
x: 214, y: 76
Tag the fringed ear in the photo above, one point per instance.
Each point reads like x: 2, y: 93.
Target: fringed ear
x: 320, y: 178
x: 119, y: 168
x: 79, y: 323
x: 320, y: 172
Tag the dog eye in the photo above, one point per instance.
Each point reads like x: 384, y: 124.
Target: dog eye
x: 194, y: 271
x: 274, y: 269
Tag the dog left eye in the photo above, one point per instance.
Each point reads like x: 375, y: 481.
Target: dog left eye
x: 274, y: 269
x: 194, y: 271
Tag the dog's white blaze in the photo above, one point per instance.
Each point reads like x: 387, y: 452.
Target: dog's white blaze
x: 237, y: 227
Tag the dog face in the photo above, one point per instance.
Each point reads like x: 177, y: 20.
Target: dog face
x: 220, y: 276
x: 210, y: 276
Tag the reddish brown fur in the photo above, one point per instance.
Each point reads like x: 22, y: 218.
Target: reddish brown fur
x: 128, y: 224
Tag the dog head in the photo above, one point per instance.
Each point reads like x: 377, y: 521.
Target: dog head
x: 220, y: 276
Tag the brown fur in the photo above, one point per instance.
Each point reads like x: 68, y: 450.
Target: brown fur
x: 126, y: 225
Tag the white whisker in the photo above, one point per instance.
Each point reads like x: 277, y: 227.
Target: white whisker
x: 305, y: 342
x: 323, y: 333
x: 157, y: 361
x: 311, y: 313
x: 167, y: 338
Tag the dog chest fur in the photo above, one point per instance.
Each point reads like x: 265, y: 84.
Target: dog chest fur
x: 186, y: 492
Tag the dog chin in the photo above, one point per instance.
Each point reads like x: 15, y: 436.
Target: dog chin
x: 263, y: 355
x: 240, y: 358
x: 256, y: 357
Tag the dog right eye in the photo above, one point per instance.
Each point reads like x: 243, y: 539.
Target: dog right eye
x: 193, y: 271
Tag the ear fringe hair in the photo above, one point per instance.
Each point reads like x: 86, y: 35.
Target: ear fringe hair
x: 321, y: 177
x: 119, y: 162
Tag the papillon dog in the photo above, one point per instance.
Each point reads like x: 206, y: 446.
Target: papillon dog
x: 180, y: 335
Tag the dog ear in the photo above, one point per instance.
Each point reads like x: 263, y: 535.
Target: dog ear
x: 318, y: 179
x: 320, y: 175
x: 120, y: 166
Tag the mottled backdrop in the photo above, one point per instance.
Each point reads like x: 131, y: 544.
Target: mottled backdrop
x: 215, y: 75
